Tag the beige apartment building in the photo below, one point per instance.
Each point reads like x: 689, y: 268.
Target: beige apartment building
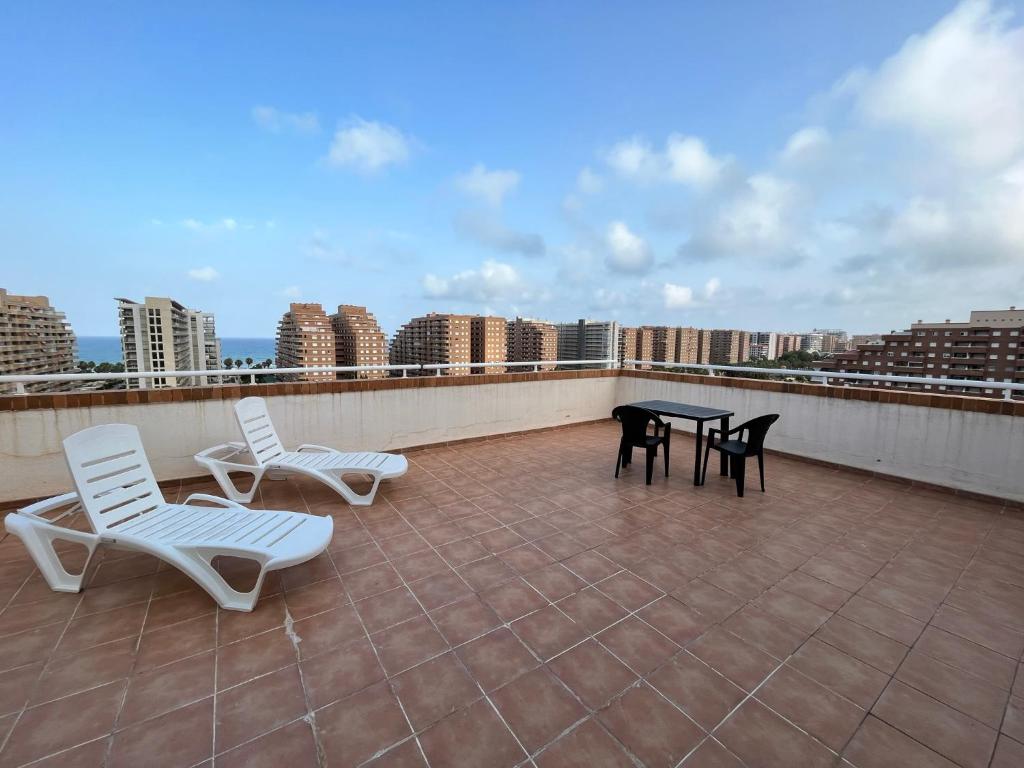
x: 435, y: 338
x: 728, y: 347
x: 691, y: 346
x: 788, y: 342
x: 529, y: 340
x: 663, y: 343
x: 488, y: 343
x: 160, y: 334
x: 636, y: 344
x: 35, y: 338
x: 358, y: 340
x: 305, y: 339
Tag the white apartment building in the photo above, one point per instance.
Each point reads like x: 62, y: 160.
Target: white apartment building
x: 588, y: 340
x: 35, y: 338
x: 764, y: 345
x: 161, y: 334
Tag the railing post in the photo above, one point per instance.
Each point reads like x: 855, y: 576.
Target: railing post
x: 824, y: 380
x: 437, y: 372
x: 1008, y: 394
x: 536, y: 368
x: 405, y: 373
x: 252, y: 378
x: 19, y: 388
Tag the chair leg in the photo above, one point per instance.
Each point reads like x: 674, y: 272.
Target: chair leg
x: 704, y: 471
x: 665, y: 446
x: 760, y: 468
x: 739, y: 469
x: 618, y: 461
x: 651, y: 454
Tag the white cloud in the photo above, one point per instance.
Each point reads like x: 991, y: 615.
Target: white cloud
x: 805, y: 143
x: 486, y: 228
x: 489, y: 186
x: 685, y: 160
x: 276, y: 121
x: 226, y: 224
x: 368, y: 146
x: 291, y: 292
x: 627, y: 252
x: 676, y: 296
x: 204, y: 274
x: 711, y: 288
x: 588, y: 182
x: 494, y: 280
x: 958, y: 85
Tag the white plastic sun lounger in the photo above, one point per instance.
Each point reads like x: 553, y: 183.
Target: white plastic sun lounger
x: 267, y: 454
x: 118, y: 492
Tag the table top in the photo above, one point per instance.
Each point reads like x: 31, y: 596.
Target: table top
x: 683, y: 410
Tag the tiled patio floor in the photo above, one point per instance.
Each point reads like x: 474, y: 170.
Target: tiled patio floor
x: 510, y: 602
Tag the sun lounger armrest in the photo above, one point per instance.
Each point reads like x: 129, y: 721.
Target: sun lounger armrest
x: 48, y: 505
x: 317, y: 448
x: 214, y: 500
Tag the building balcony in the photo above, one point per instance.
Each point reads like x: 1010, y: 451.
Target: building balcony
x: 509, y: 601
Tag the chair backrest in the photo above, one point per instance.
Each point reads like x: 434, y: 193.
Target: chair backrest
x: 112, y: 474
x: 756, y: 431
x: 634, y: 422
x: 258, y: 430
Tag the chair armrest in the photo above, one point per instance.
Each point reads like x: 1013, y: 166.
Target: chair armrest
x: 50, y: 504
x: 316, y: 448
x: 215, y: 500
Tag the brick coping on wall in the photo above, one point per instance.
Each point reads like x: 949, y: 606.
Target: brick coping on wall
x: 991, y: 405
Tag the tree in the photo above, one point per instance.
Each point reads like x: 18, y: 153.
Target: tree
x: 229, y: 363
x: 86, y: 365
x: 238, y: 363
x: 248, y: 362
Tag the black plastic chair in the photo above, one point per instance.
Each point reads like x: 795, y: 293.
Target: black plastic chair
x: 738, y: 450
x: 634, y: 435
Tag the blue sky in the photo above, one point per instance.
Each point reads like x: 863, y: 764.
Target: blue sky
x: 764, y: 165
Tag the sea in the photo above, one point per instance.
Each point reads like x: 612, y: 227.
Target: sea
x: 107, y: 349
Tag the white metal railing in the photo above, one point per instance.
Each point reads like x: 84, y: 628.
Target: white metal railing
x: 1007, y: 388
x: 19, y: 381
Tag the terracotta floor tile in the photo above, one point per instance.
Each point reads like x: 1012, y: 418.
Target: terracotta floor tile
x: 387, y: 609
x: 886, y: 621
x: 87, y: 669
x: 103, y: 628
x: 471, y: 737
x: 485, y: 574
x: 675, y: 620
x: 1013, y: 724
x: 821, y: 593
x: 548, y: 632
x: 706, y: 696
x: 711, y: 754
x: 258, y: 706
x: 169, y: 644
x: 316, y: 597
x: 967, y: 656
x: 371, y: 581
x: 291, y: 745
x: 592, y: 673
x: 980, y: 630
x: 537, y: 707
x: 591, y: 609
x: 268, y: 613
x: 88, y: 755
x: 354, y: 729
x: 340, y: 672
x: 865, y: 644
x: 758, y: 736
x: 525, y: 559
x: 63, y: 723
x: 859, y: 682
x: 937, y: 726
x: 763, y: 630
x: 440, y: 589
x: 585, y: 746
x: 793, y: 609
x: 555, y: 581
x: 1008, y: 754
x: 462, y: 621
x: 496, y: 658
x: 254, y: 656
x: 895, y: 598
x: 651, y: 728
x: 737, y: 660
x: 638, y: 645
x: 712, y: 601
x: 825, y: 715
x: 18, y: 618
x: 434, y: 690
x: 960, y: 690
x: 169, y: 687
x: 406, y: 645
x: 16, y: 686
x: 463, y: 551
x: 420, y: 566
x: 878, y: 745
x: 25, y: 647
x: 514, y: 599
x: 358, y: 557
x: 329, y: 629
x: 590, y: 566
x: 181, y: 737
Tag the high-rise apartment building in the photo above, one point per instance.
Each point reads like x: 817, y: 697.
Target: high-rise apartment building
x: 692, y: 346
x: 663, y: 343
x: 358, y: 340
x: 787, y: 342
x: 588, y: 340
x: 435, y: 338
x: 987, y: 348
x: 728, y: 347
x: 305, y: 339
x: 832, y: 340
x: 764, y: 345
x: 488, y: 343
x: 34, y: 339
x: 160, y: 334
x: 636, y: 344
x: 529, y: 340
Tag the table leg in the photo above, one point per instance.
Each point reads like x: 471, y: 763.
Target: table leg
x: 723, y: 468
x: 697, y: 457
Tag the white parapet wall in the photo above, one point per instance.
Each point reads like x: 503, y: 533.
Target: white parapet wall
x: 32, y: 462
x: 967, y: 450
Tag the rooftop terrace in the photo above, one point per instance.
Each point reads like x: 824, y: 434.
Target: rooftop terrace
x: 508, y: 602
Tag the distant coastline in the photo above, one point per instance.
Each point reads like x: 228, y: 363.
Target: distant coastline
x: 107, y: 349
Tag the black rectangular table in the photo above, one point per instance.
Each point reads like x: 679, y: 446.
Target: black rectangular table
x: 699, y: 414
